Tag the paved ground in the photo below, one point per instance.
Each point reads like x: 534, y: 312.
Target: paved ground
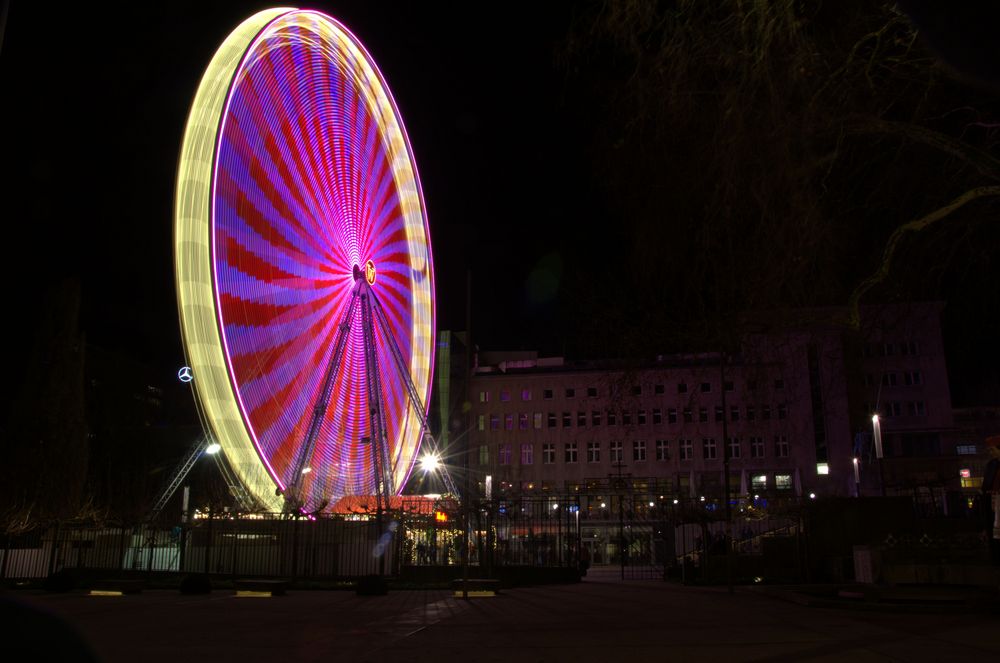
x: 599, y: 620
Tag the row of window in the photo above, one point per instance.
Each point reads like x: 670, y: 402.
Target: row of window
x: 537, y: 421
x: 636, y: 390
x: 889, y: 348
x: 759, y: 482
x: 889, y: 409
x: 906, y: 378
x: 661, y: 448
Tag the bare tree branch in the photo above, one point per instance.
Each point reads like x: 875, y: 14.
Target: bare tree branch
x: 913, y: 226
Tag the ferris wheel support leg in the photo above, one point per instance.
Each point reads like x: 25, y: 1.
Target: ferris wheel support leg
x: 383, y: 479
x: 323, y: 402
x: 411, y: 388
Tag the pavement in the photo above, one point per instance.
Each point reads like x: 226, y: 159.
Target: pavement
x: 601, y: 619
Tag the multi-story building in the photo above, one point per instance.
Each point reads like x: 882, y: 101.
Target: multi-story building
x: 791, y: 410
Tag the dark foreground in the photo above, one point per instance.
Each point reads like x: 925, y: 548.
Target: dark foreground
x: 599, y: 620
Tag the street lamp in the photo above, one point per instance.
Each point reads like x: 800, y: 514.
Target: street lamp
x: 877, y: 429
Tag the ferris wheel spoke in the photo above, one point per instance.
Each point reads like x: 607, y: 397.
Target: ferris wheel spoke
x: 268, y: 187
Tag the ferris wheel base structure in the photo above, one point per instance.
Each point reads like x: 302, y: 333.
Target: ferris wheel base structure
x: 303, y: 264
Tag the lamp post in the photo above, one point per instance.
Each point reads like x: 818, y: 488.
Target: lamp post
x: 877, y: 435
x: 857, y: 477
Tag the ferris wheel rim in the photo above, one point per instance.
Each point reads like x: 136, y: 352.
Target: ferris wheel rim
x: 259, y: 25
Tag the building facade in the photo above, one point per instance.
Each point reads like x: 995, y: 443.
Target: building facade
x: 792, y: 410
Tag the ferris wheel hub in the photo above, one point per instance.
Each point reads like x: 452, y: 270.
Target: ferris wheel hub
x: 368, y: 272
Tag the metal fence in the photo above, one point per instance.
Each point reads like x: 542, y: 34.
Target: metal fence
x: 528, y: 533
x: 628, y: 535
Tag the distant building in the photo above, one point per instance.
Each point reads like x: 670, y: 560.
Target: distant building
x: 797, y: 406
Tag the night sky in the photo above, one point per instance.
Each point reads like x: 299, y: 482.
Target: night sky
x: 94, y: 103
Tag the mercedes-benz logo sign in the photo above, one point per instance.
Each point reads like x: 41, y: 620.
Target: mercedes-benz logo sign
x: 185, y: 375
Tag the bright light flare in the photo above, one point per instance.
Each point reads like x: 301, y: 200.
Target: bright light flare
x: 213, y: 448
x: 430, y: 462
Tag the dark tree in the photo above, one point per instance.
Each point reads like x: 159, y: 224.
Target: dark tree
x: 45, y: 463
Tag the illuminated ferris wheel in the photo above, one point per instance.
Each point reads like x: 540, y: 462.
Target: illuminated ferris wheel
x: 303, y: 263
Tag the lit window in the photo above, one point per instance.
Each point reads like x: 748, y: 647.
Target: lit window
x: 966, y: 449
x: 522, y: 421
x: 527, y: 454
x: 484, y: 397
x: 494, y: 422
x: 484, y: 454
x: 538, y: 420
x: 481, y: 422
x: 759, y: 482
x: 822, y: 468
x: 508, y: 421
x: 504, y: 395
x: 783, y: 481
x: 525, y: 394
